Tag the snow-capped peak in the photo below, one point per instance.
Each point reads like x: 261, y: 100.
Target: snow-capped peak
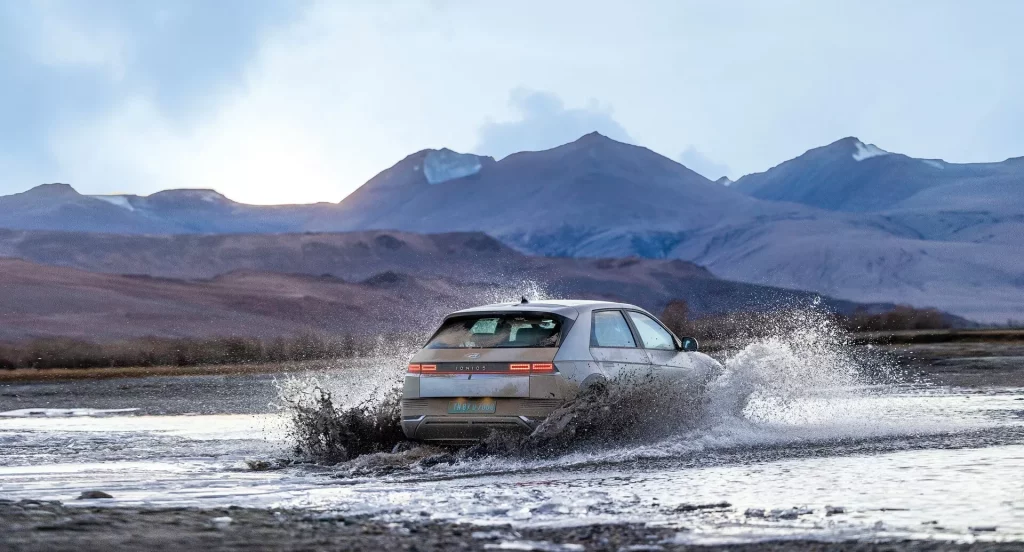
x: 118, y: 200
x: 189, y: 196
x: 209, y: 196
x: 867, y: 151
x: 444, y: 165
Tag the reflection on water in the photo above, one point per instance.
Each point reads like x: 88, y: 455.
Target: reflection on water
x: 905, y: 462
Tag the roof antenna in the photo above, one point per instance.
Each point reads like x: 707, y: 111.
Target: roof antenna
x: 524, y: 301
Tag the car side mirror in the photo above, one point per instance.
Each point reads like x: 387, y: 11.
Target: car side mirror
x: 688, y: 344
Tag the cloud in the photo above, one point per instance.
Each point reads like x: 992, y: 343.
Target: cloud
x: 273, y: 159
x: 544, y: 123
x: 304, y: 101
x: 702, y: 164
x: 59, y: 39
x: 321, y: 106
x: 325, y: 103
x: 286, y: 131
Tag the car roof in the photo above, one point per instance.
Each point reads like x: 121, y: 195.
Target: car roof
x: 565, y: 307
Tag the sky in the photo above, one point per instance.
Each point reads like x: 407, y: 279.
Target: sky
x: 303, y: 101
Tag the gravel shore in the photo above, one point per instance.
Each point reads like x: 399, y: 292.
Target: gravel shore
x: 52, y: 526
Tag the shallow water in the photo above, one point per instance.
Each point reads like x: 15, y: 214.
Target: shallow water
x: 800, y: 437
x: 890, y: 461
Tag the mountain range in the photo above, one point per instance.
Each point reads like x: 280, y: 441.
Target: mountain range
x: 108, y: 286
x: 848, y: 219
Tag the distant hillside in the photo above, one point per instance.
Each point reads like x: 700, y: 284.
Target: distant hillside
x: 849, y: 175
x: 954, y: 243
x: 47, y: 301
x: 61, y: 207
x: 352, y: 256
x: 847, y: 220
x: 356, y: 283
x: 594, y: 183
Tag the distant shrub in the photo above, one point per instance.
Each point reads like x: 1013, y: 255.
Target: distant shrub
x: 677, y: 316
x: 741, y: 326
x: 727, y: 326
x: 902, y: 317
x: 58, y: 352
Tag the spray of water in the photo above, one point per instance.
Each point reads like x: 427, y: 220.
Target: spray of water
x: 633, y: 409
x: 354, y: 410
x: 804, y: 362
x: 327, y: 434
x: 802, y: 373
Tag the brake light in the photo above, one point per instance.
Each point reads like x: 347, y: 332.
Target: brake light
x: 428, y: 367
x: 414, y: 368
x: 537, y: 367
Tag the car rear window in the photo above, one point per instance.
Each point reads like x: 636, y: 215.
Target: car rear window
x: 493, y: 331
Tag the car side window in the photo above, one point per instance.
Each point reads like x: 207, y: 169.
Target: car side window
x: 651, y: 333
x: 610, y: 330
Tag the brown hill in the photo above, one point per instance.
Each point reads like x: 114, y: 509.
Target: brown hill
x: 461, y: 259
x: 45, y: 301
x: 418, y: 279
x: 353, y: 256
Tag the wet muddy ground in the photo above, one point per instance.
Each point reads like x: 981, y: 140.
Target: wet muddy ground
x: 803, y: 458
x: 41, y: 526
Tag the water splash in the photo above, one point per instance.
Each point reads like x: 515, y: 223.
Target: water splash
x: 355, y: 410
x: 351, y: 411
x: 513, y: 291
x: 805, y: 361
x: 327, y: 434
x: 803, y: 382
x: 639, y: 408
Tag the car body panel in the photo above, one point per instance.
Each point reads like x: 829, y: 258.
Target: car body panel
x: 618, y: 363
x: 566, y: 383
x: 671, y: 360
x: 469, y: 356
x: 474, y: 385
x: 470, y: 382
x: 503, y: 407
x: 568, y: 309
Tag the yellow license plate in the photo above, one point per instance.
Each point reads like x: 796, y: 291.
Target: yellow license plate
x: 485, y: 406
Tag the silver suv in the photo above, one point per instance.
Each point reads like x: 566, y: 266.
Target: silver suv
x: 508, y: 366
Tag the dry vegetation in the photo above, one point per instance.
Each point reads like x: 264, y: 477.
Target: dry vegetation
x: 761, y: 324
x: 714, y: 331
x: 726, y: 330
x: 901, y: 318
x: 70, y: 374
x: 146, y: 352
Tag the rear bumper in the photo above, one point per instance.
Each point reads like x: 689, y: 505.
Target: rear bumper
x: 464, y: 429
x: 427, y: 419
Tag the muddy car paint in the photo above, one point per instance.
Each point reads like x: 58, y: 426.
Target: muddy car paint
x: 522, y: 401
